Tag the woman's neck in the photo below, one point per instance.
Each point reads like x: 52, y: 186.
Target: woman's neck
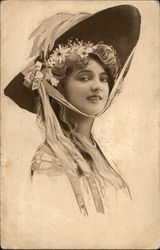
x: 84, y: 124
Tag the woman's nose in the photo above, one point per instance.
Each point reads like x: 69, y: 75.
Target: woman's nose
x: 96, y: 85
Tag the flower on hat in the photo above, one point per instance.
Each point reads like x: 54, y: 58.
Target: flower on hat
x: 82, y: 52
x: 50, y: 62
x: 90, y: 47
x: 59, y: 54
x: 47, y: 72
x: 38, y: 75
x: 34, y: 76
x: 54, y: 68
x: 54, y: 81
x: 38, y: 65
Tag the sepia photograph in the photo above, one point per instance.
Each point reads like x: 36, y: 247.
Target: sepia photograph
x: 80, y: 124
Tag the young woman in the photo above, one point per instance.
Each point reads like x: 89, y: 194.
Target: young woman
x: 81, y: 61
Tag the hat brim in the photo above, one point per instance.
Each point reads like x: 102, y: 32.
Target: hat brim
x: 118, y: 26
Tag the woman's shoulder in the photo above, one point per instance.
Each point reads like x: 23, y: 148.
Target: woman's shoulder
x: 44, y: 162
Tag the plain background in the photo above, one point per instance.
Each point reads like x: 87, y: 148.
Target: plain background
x: 129, y: 129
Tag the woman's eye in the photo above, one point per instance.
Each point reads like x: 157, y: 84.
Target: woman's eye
x: 104, y: 80
x: 84, y: 78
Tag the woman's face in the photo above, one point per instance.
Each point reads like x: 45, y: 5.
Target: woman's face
x: 87, y: 89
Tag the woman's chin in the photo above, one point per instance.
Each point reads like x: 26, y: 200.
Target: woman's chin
x: 92, y: 112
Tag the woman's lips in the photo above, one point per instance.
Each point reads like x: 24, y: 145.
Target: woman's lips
x: 94, y: 98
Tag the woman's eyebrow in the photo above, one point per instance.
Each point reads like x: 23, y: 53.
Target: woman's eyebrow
x: 90, y: 71
x: 84, y: 71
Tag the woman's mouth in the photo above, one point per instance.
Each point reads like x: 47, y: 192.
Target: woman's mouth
x: 94, y: 98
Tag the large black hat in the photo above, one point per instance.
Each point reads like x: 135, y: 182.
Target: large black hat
x: 118, y: 26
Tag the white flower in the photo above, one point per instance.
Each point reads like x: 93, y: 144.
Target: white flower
x: 80, y: 43
x: 38, y: 75
x: 38, y: 65
x: 50, y: 62
x: 82, y: 52
x: 94, y: 47
x: 59, y: 54
x: 89, y: 50
x: 48, y: 73
x: 54, y: 81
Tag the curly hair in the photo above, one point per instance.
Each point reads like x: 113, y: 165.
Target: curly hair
x: 104, y: 54
x: 107, y: 58
x: 69, y: 127
x: 83, y: 63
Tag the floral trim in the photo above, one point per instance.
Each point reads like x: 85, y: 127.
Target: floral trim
x: 60, y: 55
x: 54, y: 68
